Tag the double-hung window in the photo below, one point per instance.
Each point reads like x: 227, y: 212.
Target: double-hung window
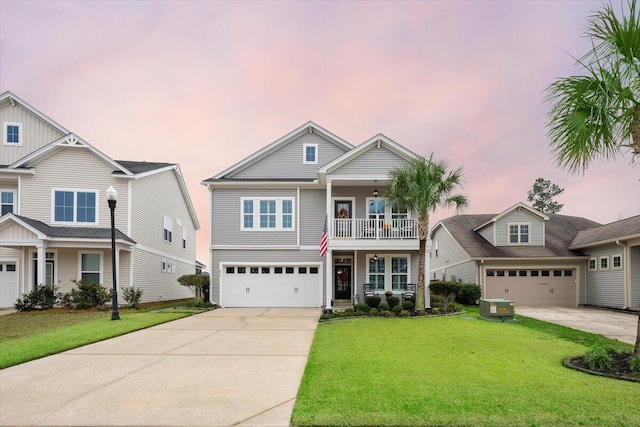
x: 75, y: 206
x: 399, y: 273
x: 270, y: 214
x: 518, y: 233
x: 8, y: 200
x: 12, y: 134
x: 91, y: 267
x: 377, y: 273
x: 310, y: 154
x: 167, y: 234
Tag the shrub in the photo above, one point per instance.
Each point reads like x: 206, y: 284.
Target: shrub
x: 443, y: 288
x: 64, y: 299
x: 372, y: 302
x: 373, y: 311
x: 383, y: 306
x: 89, y: 295
x: 469, y: 294
x: 634, y: 365
x: 453, y: 307
x: 339, y: 314
x: 195, y: 283
x: 350, y: 311
x: 422, y: 313
x: 393, y: 301
x: 132, y: 296
x: 598, y: 359
x: 41, y: 297
x: 361, y: 308
x: 386, y: 313
x: 435, y: 310
x: 408, y: 305
x: 396, y: 309
x: 388, y: 294
x: 404, y: 313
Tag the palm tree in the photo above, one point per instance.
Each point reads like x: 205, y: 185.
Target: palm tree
x: 421, y: 187
x: 597, y: 115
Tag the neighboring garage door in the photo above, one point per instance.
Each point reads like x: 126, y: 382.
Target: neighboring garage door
x: 532, y: 287
x: 8, y: 284
x: 271, y: 286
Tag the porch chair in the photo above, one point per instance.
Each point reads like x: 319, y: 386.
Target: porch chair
x: 410, y: 292
x: 368, y: 290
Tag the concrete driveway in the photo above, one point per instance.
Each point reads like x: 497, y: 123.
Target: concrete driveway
x: 224, y: 367
x: 612, y: 324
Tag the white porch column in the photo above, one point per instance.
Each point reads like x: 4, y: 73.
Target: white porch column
x: 41, y: 263
x: 329, y: 290
x: 427, y: 274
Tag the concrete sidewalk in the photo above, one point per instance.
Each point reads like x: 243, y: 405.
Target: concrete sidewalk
x: 224, y: 367
x: 612, y: 324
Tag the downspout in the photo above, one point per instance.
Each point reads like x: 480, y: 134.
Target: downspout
x: 626, y: 273
x: 481, y: 277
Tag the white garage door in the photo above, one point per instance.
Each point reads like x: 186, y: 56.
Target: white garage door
x: 8, y: 284
x: 271, y: 286
x: 533, y: 288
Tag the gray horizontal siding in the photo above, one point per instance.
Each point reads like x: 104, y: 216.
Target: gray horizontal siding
x: 635, y: 276
x: 312, y: 215
x: 286, y: 162
x: 155, y: 284
x: 605, y: 288
x: 449, y: 252
x: 536, y: 234
x: 375, y: 161
x: 465, y: 272
x: 487, y: 233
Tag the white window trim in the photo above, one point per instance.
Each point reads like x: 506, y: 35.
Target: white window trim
x: 519, y: 243
x: 15, y: 199
x: 600, y: 263
x: 5, y: 134
x: 304, y: 154
x: 279, y: 214
x: 80, y: 253
x: 387, y: 269
x: 614, y: 256
x: 595, y: 262
x: 75, y: 206
x: 388, y: 212
x: 168, y: 226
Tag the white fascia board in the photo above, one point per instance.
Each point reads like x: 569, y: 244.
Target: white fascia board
x: 11, y: 96
x: 21, y: 171
x: 530, y: 260
x: 11, y: 217
x: 260, y: 184
x: 66, y: 242
x: 155, y: 171
x: 605, y: 242
x: 519, y: 205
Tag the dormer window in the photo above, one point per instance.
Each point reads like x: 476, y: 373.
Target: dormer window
x: 12, y: 134
x: 310, y: 154
x: 519, y: 233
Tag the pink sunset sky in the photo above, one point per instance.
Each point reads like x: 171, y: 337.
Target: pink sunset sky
x: 205, y: 84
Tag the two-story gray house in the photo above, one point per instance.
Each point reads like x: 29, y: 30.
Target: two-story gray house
x: 55, y: 225
x: 538, y: 259
x: 269, y: 210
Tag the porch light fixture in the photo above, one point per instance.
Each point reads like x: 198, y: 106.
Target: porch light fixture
x: 375, y: 188
x: 112, y: 197
x: 375, y: 258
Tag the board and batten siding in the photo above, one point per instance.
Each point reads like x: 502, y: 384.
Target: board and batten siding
x: 286, y: 161
x: 375, y: 161
x: 17, y: 232
x: 36, y: 133
x: 449, y: 252
x: 635, y: 277
x: 536, y: 230
x: 226, y: 214
x: 267, y: 257
x: 605, y: 288
x: 153, y: 197
x: 312, y: 214
x: 74, y: 168
x: 157, y: 285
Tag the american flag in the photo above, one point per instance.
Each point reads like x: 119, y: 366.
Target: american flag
x: 324, y: 239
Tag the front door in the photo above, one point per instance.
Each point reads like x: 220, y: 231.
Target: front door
x: 342, y: 281
x: 343, y: 213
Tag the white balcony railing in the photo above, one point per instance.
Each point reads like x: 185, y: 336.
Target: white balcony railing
x: 348, y: 229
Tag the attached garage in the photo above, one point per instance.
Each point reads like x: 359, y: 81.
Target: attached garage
x: 8, y: 284
x: 269, y: 285
x: 532, y: 287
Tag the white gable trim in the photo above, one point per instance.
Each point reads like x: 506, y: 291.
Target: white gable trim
x: 517, y: 206
x: 377, y: 141
x: 309, y: 127
x: 13, y: 99
x: 10, y: 217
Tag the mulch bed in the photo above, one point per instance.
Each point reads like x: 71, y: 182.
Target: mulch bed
x: 620, y: 369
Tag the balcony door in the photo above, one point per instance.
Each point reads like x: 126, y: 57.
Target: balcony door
x: 343, y: 213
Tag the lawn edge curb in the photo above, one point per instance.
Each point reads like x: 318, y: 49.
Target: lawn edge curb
x: 567, y: 362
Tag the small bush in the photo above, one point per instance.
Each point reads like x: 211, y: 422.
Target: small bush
x: 89, y: 295
x: 598, y: 359
x: 64, y: 299
x: 453, y: 307
x: 469, y: 294
x: 404, y: 313
x: 132, y: 296
x: 388, y: 294
x: 383, y: 306
x: 350, y: 311
x: 372, y: 302
x: 386, y: 313
x: 339, y: 314
x: 393, y: 301
x: 408, y: 305
x: 422, y: 313
x: 444, y: 288
x: 42, y: 297
x: 396, y: 309
x: 373, y: 311
x: 634, y: 365
x: 361, y: 308
x: 435, y: 310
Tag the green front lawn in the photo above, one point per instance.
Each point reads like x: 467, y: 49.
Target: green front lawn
x: 32, y: 335
x: 455, y: 371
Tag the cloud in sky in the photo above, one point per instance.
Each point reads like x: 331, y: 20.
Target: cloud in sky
x: 205, y: 84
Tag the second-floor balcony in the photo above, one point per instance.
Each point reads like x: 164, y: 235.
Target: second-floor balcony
x: 373, y: 229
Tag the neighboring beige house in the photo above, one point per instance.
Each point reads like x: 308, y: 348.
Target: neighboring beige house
x: 538, y: 259
x: 268, y: 213
x: 55, y: 224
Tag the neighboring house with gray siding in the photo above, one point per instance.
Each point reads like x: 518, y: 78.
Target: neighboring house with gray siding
x: 55, y: 223
x: 541, y: 259
x: 268, y: 213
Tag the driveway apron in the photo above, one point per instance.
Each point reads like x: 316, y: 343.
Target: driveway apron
x: 612, y: 324
x: 219, y: 368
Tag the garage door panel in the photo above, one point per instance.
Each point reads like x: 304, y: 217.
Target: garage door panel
x: 533, y: 287
x: 8, y: 284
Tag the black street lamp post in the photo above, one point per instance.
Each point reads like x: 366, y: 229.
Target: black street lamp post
x: 112, y: 196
